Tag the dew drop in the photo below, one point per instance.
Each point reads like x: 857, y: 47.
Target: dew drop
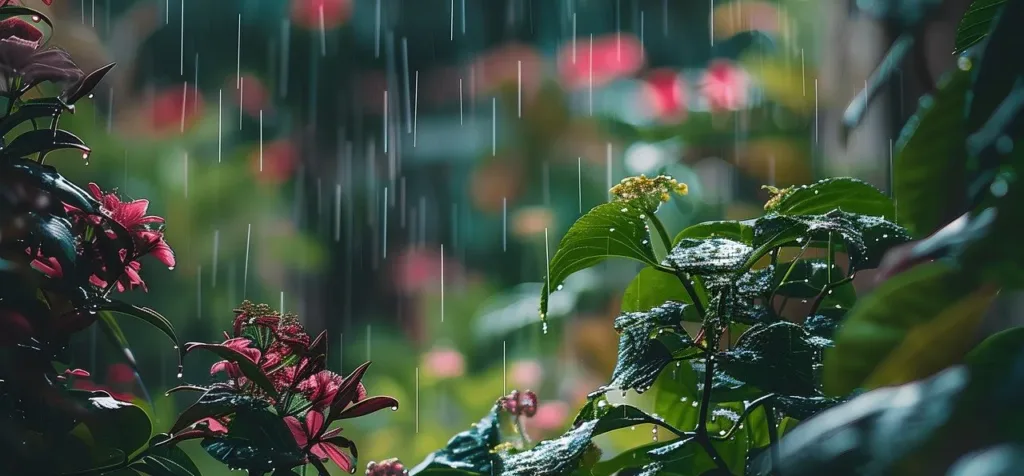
x: 683, y: 399
x: 559, y: 287
x: 602, y: 403
x: 394, y: 408
x: 624, y: 210
x: 644, y: 242
x: 544, y: 328
x: 721, y: 432
x: 964, y: 63
x: 170, y: 268
x: 36, y: 18
x: 180, y: 375
x: 611, y: 229
x: 90, y: 96
x: 816, y: 192
x: 643, y: 217
x: 695, y: 403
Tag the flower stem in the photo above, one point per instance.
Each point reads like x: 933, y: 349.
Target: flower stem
x: 683, y: 277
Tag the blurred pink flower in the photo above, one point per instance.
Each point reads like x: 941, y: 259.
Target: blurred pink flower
x: 550, y: 416
x: 174, y: 107
x: 417, y: 270
x: 508, y: 64
x: 444, y: 363
x: 526, y: 373
x: 609, y: 57
x: 279, y: 161
x: 306, y: 13
x: 253, y: 96
x: 724, y: 85
x: 665, y: 91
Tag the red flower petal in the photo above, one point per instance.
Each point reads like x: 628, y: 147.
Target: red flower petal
x: 298, y: 432
x: 314, y: 423
x: 341, y: 459
x: 306, y: 13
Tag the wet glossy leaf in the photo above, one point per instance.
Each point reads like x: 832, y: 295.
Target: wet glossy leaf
x: 708, y: 256
x: 870, y: 433
x: 145, y: 314
x: 248, y: 367
x: 155, y: 465
x: 647, y: 343
x: 42, y: 141
x: 881, y: 77
x: 741, y: 231
x: 865, y: 238
x: 174, y: 454
x: 258, y: 440
x: 904, y: 13
x: 218, y: 401
x: 49, y: 109
x: 990, y: 359
x: 802, y: 408
x: 56, y: 240
x: 564, y: 454
x: 930, y: 160
x: 611, y: 229
x: 724, y: 387
x: 806, y: 278
x: 1002, y: 460
x: 467, y: 451
x: 88, y: 83
x: 910, y: 327
x: 841, y: 193
x: 113, y: 423
x: 997, y: 69
x: 652, y: 288
x: 46, y: 178
x: 976, y: 22
x: 775, y: 358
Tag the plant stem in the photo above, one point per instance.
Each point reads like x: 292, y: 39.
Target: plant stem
x: 773, y: 438
x: 705, y: 407
x: 825, y: 290
x: 683, y: 277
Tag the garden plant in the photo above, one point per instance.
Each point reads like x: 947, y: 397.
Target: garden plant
x: 834, y: 334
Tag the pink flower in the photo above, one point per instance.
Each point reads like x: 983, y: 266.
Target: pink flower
x: 444, y: 363
x: 724, y: 86
x: 321, y: 388
x: 526, y: 373
x: 307, y: 13
x: 240, y: 345
x: 174, y: 107
x: 314, y: 438
x: 254, y: 96
x: 665, y: 92
x: 276, y: 162
x: 613, y: 57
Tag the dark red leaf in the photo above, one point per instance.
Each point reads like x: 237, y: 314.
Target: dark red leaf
x: 368, y: 406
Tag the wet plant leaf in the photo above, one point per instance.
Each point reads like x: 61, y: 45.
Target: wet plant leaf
x: 88, y: 83
x: 46, y: 178
x: 155, y: 465
x: 42, y: 141
x: 49, y: 108
x: 258, y: 440
x: 708, y: 256
x: 652, y: 288
x: 1002, y: 460
x: 616, y: 229
x: 807, y: 278
x: 144, y: 314
x: 174, y: 454
x: 866, y: 238
x: 467, y: 451
x: 741, y: 231
x: 912, y: 326
x: 990, y: 359
x: 114, y: 424
x: 775, y: 358
x: 647, y: 343
x: 872, y: 432
x: 218, y: 401
x: 842, y: 193
x: 976, y: 22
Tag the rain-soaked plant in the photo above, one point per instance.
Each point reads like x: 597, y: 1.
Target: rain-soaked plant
x: 64, y: 250
x: 727, y: 322
x: 275, y: 408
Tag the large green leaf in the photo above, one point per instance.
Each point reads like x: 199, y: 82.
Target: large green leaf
x: 145, y: 314
x: 910, y: 327
x: 564, y: 454
x: 776, y: 358
x: 652, y: 288
x: 114, y: 424
x: 467, y: 451
x: 741, y: 231
x: 841, y: 193
x: 931, y: 160
x: 648, y: 341
x: 976, y: 22
x: 218, y: 401
x: 992, y: 357
x: 611, y: 229
x: 154, y: 465
x: 257, y: 440
x: 708, y: 256
x: 874, y: 431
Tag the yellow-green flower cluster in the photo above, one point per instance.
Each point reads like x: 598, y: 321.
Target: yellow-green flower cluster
x: 777, y: 195
x: 658, y: 189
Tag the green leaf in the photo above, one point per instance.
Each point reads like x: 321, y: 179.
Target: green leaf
x: 652, y: 288
x: 775, y: 358
x: 866, y: 238
x: 930, y: 161
x: 975, y: 24
x: 257, y: 440
x: 467, y: 451
x: 565, y: 454
x: 648, y: 341
x: 708, y: 256
x: 910, y: 327
x: 26, y: 112
x: 611, y: 229
x: 162, y: 466
x: 876, y: 430
x: 145, y: 314
x: 991, y: 359
x: 173, y: 453
x: 88, y: 83
x: 741, y: 231
x: 113, y: 423
x: 43, y: 141
x: 807, y: 278
x: 218, y: 401
x: 248, y: 367
x: 841, y: 193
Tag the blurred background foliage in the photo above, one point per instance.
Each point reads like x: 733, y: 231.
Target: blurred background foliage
x: 397, y: 171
